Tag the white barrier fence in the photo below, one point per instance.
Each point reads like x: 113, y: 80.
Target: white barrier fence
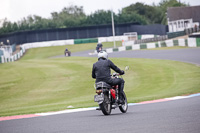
x: 111, y: 39
x: 48, y: 44
x: 5, y: 58
x: 190, y: 42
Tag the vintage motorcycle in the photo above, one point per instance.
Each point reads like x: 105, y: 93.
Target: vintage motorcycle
x: 107, y: 96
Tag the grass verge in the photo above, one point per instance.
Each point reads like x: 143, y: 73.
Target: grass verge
x: 40, y: 84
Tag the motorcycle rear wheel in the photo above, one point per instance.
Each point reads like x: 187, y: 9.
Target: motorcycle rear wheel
x: 124, y: 107
x: 105, y: 106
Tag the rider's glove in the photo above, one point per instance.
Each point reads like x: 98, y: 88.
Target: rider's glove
x: 122, y: 72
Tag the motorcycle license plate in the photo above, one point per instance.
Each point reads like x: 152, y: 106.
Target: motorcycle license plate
x: 99, y: 98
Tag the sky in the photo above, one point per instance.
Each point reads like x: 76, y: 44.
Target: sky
x: 15, y: 10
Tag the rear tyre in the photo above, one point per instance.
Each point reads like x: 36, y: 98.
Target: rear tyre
x: 105, y: 106
x: 124, y: 107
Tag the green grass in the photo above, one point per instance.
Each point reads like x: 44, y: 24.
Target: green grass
x: 165, y: 48
x: 37, y: 83
x: 45, y: 52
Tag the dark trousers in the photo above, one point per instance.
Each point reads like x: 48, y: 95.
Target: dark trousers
x: 117, y: 81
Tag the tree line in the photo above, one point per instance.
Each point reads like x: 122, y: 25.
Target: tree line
x: 74, y: 16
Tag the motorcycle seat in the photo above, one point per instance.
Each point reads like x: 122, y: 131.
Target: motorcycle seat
x: 102, y: 85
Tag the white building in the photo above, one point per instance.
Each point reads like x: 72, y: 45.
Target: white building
x: 181, y: 18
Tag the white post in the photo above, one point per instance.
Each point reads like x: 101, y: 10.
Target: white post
x: 18, y: 55
x: 11, y: 58
x: 21, y: 52
x: 2, y: 59
x: 5, y: 59
x: 15, y: 57
x: 113, y: 28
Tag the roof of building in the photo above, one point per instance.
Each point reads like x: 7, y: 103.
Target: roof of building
x: 177, y: 13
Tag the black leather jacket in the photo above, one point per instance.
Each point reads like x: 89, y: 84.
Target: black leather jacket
x: 101, y: 69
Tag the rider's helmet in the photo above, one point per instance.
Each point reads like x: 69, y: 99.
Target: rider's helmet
x: 99, y: 45
x: 102, y: 54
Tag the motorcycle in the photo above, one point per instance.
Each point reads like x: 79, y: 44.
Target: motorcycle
x: 108, y: 96
x: 67, y: 53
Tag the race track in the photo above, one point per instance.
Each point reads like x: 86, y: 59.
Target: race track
x: 177, y: 116
x: 188, y: 55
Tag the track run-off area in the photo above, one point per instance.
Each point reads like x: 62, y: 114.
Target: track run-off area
x: 179, y: 114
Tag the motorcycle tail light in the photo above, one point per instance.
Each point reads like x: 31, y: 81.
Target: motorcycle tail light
x: 98, y: 92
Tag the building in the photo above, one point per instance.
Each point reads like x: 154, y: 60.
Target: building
x: 181, y: 18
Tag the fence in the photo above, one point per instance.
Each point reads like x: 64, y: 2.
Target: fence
x: 81, y: 33
x: 190, y: 42
x: 182, y: 33
x: 164, y: 37
x: 90, y: 40
x: 155, y: 39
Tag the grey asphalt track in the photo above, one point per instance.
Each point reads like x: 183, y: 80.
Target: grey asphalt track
x: 178, y: 116
x: 188, y: 55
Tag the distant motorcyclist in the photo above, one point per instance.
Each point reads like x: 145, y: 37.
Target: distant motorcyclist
x: 99, y: 47
x: 101, y: 72
x: 67, y: 52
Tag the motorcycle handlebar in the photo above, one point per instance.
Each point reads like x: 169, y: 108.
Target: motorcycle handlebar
x: 117, y: 74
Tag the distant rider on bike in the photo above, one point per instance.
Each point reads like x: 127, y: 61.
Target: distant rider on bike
x: 101, y: 72
x: 67, y: 52
x: 99, y: 47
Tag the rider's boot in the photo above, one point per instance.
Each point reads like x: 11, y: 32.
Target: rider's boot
x: 98, y: 108
x: 121, y: 87
x: 120, y: 101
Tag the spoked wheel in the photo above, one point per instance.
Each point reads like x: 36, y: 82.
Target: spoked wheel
x: 124, y: 107
x: 106, y: 106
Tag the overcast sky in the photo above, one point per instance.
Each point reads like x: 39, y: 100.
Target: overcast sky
x: 15, y: 10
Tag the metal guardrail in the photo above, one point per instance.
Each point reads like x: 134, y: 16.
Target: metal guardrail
x: 155, y: 39
x: 169, y: 36
x: 182, y: 33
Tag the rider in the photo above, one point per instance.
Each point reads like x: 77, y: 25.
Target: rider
x: 101, y: 72
x: 67, y: 52
x: 99, y: 47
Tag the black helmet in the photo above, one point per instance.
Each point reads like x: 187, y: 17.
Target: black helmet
x: 99, y: 45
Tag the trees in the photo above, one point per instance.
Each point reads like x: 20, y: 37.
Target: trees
x: 7, y: 27
x: 150, y: 13
x: 164, y: 4
x: 99, y: 17
x: 155, y: 13
x: 74, y: 16
x: 69, y: 17
x: 131, y: 18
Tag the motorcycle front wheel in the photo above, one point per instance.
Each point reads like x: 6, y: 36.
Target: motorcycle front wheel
x: 105, y: 106
x: 124, y: 107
